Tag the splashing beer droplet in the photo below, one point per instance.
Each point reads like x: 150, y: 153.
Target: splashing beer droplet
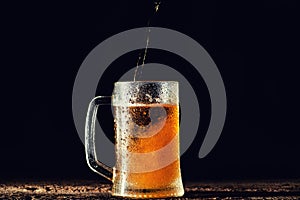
x: 157, y: 5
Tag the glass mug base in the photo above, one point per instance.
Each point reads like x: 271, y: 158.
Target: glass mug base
x: 173, y: 190
x: 164, y: 182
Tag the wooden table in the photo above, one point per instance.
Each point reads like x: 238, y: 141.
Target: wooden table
x: 82, y: 189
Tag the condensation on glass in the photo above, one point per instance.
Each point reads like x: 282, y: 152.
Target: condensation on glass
x: 146, y: 124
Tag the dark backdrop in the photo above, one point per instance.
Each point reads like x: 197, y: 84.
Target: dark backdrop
x: 255, y: 45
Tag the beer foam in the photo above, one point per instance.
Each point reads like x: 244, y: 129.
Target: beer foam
x: 145, y: 92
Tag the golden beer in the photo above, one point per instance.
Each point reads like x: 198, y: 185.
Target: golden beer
x: 144, y: 130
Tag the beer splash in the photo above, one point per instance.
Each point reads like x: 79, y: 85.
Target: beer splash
x: 157, y: 4
x: 156, y: 8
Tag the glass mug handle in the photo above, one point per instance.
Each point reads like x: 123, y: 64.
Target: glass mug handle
x: 90, y: 149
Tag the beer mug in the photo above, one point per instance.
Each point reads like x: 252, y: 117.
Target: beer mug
x: 146, y: 125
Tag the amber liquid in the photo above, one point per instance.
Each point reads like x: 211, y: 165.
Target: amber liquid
x: 152, y: 133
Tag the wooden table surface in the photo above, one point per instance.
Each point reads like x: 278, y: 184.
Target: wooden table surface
x: 82, y: 189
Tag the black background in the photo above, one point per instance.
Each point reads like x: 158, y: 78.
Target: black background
x: 255, y: 45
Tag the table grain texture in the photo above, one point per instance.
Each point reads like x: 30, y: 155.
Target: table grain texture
x: 83, y: 189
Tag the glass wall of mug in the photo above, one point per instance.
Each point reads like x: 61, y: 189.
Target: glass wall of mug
x: 146, y: 124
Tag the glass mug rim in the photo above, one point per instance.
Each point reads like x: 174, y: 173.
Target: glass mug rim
x: 146, y: 81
